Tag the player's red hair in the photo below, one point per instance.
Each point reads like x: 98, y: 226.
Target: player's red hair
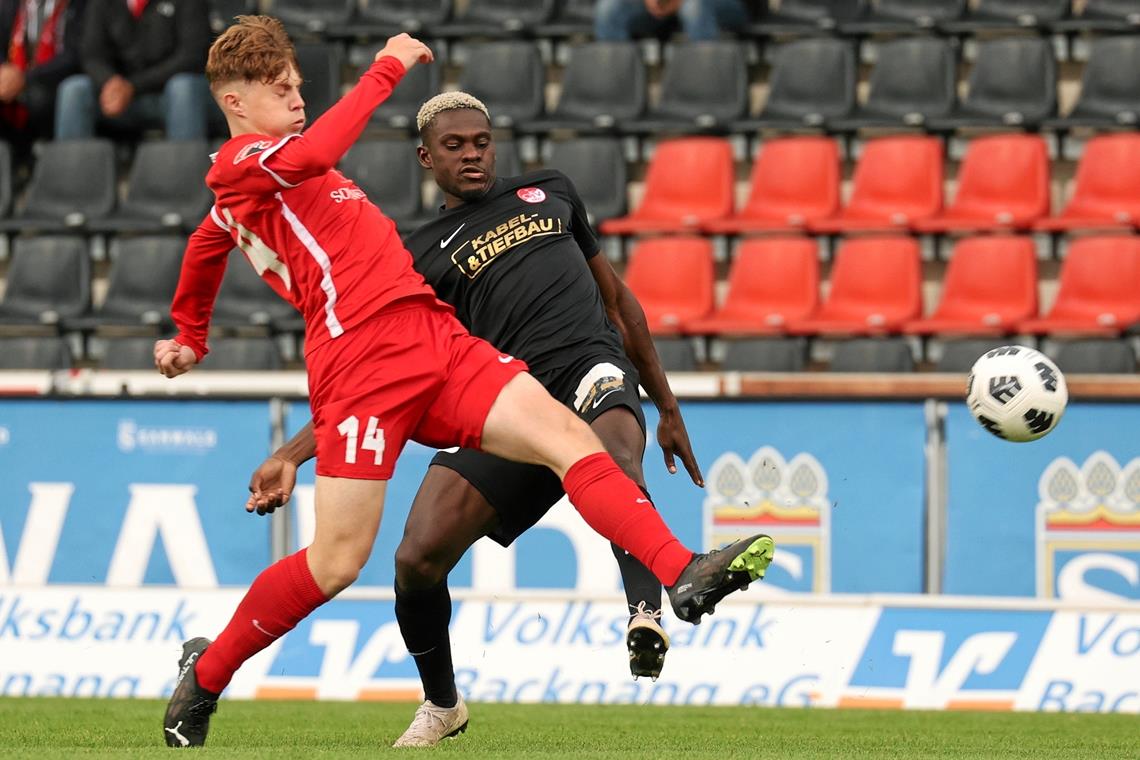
x: 254, y: 49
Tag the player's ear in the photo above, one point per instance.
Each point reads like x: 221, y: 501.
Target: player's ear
x: 424, y: 156
x: 231, y: 102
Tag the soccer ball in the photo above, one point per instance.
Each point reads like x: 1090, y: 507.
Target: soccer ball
x: 1016, y: 393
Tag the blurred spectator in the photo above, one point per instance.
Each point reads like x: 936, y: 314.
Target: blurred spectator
x: 41, y: 45
x: 700, y: 19
x: 143, y: 66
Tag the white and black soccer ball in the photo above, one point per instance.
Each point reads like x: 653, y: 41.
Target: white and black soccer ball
x: 1016, y: 393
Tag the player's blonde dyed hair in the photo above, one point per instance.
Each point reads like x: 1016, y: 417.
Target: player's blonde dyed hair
x: 447, y: 101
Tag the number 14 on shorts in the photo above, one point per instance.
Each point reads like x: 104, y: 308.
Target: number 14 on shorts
x: 373, y: 439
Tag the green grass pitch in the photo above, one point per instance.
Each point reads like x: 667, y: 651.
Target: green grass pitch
x: 69, y: 728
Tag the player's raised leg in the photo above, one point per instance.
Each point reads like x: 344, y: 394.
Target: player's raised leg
x: 527, y: 425
x: 347, y: 518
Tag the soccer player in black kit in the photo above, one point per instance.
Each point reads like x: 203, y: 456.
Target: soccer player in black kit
x: 518, y: 260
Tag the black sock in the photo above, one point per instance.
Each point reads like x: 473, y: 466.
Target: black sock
x: 640, y: 584
x: 423, y: 617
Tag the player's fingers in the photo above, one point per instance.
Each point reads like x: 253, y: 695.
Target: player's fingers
x: 670, y: 464
x: 691, y: 466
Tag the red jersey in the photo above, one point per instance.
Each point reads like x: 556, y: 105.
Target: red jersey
x: 308, y: 230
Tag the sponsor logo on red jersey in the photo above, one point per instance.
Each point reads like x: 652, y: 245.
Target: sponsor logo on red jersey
x: 530, y: 194
x: 251, y: 150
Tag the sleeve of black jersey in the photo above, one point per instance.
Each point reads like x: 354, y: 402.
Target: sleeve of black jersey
x: 580, y: 223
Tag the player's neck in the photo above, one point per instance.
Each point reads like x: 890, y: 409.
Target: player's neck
x: 239, y: 127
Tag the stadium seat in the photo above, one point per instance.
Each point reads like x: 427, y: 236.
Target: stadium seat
x: 873, y: 355
x: 689, y: 181
x: 1104, y: 16
x: 897, y: 182
x: 765, y: 355
x: 960, y: 355
x: 246, y: 300
x: 1013, y: 84
x: 320, y: 68
x: 1096, y: 356
x: 704, y: 88
x: 25, y: 352
x: 1106, y: 191
x: 676, y: 354
x: 1110, y: 86
x: 1003, y: 183
x: 603, y: 84
x: 166, y: 189
x: 811, y: 81
x: 572, y: 18
x: 5, y: 179
x: 596, y: 166
x: 242, y: 354
x: 902, y: 16
x: 389, y: 172
x: 875, y: 288
x: 386, y: 18
x: 772, y: 281
x: 1098, y: 291
x: 989, y: 287
x: 400, y: 109
x: 143, y: 275
x: 127, y: 353
x: 795, y: 181
x: 73, y: 182
x: 509, y: 77
x: 1008, y: 14
x: 913, y: 80
x: 804, y: 16
x: 673, y: 280
x: 489, y: 18
x: 222, y: 12
x: 49, y: 281
x: 312, y: 16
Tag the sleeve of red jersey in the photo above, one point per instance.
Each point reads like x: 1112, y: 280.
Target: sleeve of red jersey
x: 265, y: 165
x: 203, y: 266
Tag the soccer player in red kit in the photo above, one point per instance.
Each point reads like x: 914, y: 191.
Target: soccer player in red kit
x: 387, y: 361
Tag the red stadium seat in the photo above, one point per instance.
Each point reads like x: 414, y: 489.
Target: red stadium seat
x: 689, y: 181
x: 989, y: 287
x: 772, y: 281
x: 875, y: 288
x: 1107, y: 193
x: 897, y: 182
x: 1003, y: 183
x: 673, y: 278
x: 1099, y: 289
x: 795, y: 180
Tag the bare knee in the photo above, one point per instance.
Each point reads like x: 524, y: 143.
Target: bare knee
x: 417, y: 567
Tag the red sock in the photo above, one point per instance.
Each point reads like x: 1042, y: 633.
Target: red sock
x: 615, y: 507
x: 283, y: 595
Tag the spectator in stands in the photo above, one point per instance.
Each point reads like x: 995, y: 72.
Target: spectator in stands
x: 41, y: 45
x: 142, y: 62
x: 700, y: 19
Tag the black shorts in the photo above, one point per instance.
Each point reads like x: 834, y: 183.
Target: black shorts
x: 523, y: 493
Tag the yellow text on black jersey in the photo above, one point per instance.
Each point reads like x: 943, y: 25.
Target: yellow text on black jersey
x: 478, y: 252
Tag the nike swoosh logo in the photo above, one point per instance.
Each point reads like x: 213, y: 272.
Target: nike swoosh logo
x: 447, y: 240
x: 602, y: 397
x: 643, y: 501
x: 506, y: 359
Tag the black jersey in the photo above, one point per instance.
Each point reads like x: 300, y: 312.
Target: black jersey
x: 513, y: 264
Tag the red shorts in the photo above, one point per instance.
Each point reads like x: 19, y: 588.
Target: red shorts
x: 411, y: 372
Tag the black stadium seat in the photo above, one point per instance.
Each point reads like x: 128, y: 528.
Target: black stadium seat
x: 166, y: 189
x: 1110, y: 86
x: 127, y: 353
x: 676, y: 354
x: 389, y: 173
x: 1009, y: 14
x: 418, y: 85
x: 765, y: 355
x: 246, y: 300
x: 597, y: 168
x: 1096, y: 355
x: 509, y: 77
x: 704, y: 87
x: 222, y: 12
x: 26, y: 352
x: 812, y: 81
x: 901, y: 16
x: 1104, y: 16
x: 493, y: 18
x: 73, y: 182
x: 805, y: 16
x: 141, y: 282
x: 913, y: 80
x: 603, y: 84
x: 313, y: 16
x: 873, y: 355
x: 572, y: 18
x: 320, y: 68
x: 385, y: 18
x: 960, y: 355
x: 49, y: 281
x: 1013, y: 84
x: 242, y: 354
x: 5, y: 179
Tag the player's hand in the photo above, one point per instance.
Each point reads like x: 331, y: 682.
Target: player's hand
x: 407, y: 50
x: 271, y: 485
x: 172, y: 358
x: 674, y: 441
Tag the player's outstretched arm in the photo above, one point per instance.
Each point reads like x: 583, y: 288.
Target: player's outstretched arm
x: 272, y: 482
x: 628, y: 317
